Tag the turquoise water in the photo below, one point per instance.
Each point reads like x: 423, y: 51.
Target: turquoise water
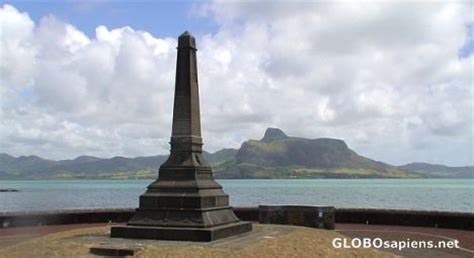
x: 419, y: 194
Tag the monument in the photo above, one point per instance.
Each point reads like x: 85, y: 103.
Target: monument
x: 184, y: 203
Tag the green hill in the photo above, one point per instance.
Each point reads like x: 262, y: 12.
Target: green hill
x: 276, y: 155
x: 83, y: 167
x: 440, y: 171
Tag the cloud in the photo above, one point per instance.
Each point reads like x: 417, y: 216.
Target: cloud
x: 64, y: 94
x: 388, y: 78
x: 385, y: 77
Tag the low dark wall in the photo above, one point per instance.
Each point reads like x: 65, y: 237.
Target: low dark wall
x: 456, y: 220
x: 58, y: 217
x: 453, y: 220
x: 299, y: 215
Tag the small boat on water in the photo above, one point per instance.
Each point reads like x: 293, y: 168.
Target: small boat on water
x: 8, y: 190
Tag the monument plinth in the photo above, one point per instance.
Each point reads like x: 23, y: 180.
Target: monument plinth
x: 184, y: 203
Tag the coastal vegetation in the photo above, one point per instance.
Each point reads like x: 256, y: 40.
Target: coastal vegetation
x: 276, y: 155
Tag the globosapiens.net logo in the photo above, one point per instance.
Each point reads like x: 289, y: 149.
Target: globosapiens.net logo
x: 378, y: 243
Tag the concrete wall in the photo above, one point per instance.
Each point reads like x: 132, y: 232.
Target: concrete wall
x: 454, y: 220
x: 57, y: 217
x: 441, y: 219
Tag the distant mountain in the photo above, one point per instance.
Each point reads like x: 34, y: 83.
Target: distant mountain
x: 33, y: 167
x: 276, y: 155
x: 13, y: 167
x: 221, y: 156
x: 81, y: 160
x: 277, y: 149
x: 440, y: 171
x: 89, y: 167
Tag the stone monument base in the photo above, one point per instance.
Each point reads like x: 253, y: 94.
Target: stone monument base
x: 181, y: 234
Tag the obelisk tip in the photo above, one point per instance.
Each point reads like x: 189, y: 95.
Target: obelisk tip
x: 186, y: 40
x: 186, y: 34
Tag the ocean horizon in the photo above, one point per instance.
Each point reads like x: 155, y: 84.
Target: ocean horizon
x: 456, y: 195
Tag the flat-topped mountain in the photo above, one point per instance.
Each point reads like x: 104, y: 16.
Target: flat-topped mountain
x: 276, y: 155
x: 281, y: 150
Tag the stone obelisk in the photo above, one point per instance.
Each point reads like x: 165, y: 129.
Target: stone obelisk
x: 184, y: 203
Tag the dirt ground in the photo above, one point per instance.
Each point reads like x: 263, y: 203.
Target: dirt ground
x: 263, y: 241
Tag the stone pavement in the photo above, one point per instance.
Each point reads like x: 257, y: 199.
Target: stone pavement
x: 264, y: 241
x: 403, y: 233
x: 11, y: 236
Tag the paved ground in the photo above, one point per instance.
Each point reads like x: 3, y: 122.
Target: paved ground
x: 264, y: 241
x: 402, y: 233
x: 11, y: 236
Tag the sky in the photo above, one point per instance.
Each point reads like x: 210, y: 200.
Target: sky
x: 392, y: 79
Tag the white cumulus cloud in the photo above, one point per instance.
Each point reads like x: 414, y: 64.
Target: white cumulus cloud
x: 386, y: 77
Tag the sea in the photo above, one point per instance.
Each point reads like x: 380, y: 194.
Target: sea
x: 410, y: 194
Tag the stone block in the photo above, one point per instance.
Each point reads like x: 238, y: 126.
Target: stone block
x: 300, y: 215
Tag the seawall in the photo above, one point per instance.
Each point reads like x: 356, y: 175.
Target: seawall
x: 437, y: 219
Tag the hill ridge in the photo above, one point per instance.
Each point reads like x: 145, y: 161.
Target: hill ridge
x: 276, y: 155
